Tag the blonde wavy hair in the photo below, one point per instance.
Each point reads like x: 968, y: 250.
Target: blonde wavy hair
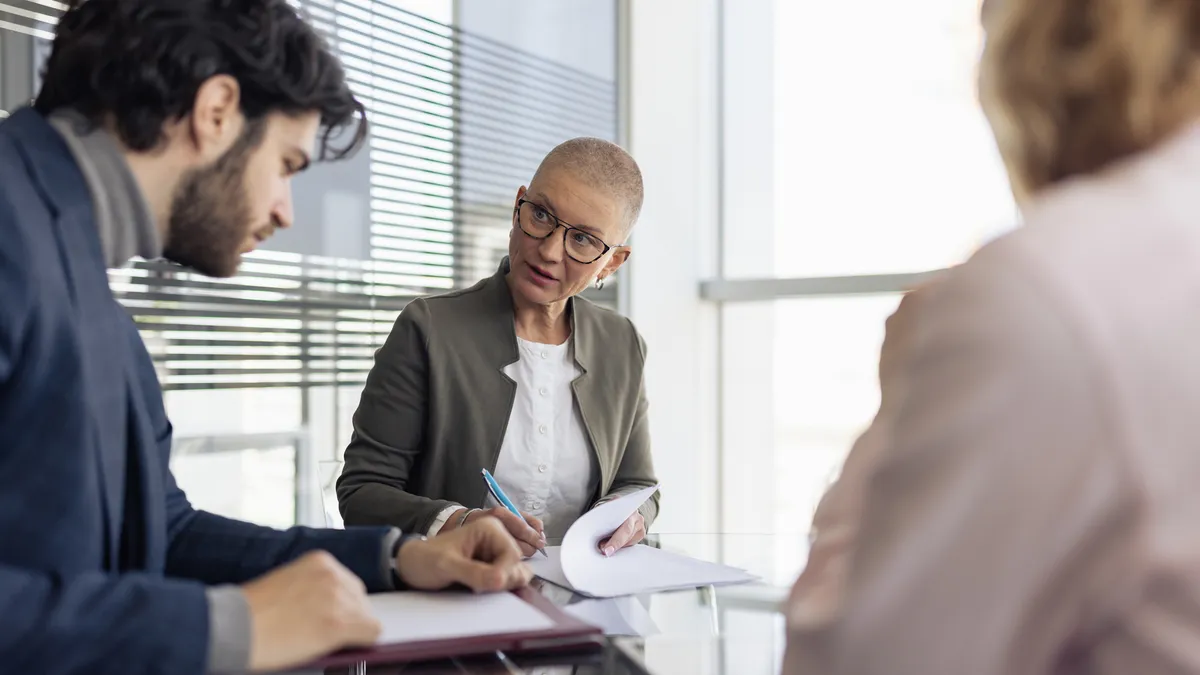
x: 1071, y: 86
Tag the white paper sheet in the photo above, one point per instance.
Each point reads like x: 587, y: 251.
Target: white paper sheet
x: 636, y: 570
x: 624, y: 617
x: 578, y: 564
x: 413, y: 617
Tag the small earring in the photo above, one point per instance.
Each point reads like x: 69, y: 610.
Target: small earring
x: 599, y: 283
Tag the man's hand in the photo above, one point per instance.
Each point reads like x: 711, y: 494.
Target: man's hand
x: 530, y: 533
x: 481, y: 555
x: 304, y: 610
x: 632, y: 531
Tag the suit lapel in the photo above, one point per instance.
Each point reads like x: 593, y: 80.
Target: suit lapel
x: 101, y: 345
x: 103, y: 360
x: 496, y: 391
x: 588, y: 388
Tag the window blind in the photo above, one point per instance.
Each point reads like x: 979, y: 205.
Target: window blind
x: 35, y: 18
x: 285, y: 320
x: 402, y: 67
x: 458, y: 123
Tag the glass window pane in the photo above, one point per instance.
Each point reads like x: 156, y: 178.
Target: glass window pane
x: 812, y: 392
x: 826, y: 391
x: 202, y: 412
x: 252, y: 485
x: 223, y: 458
x: 883, y: 160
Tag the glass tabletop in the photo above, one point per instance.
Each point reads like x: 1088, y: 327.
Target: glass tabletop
x: 734, y: 630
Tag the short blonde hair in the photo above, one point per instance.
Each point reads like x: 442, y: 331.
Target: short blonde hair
x: 605, y: 166
x: 1071, y: 86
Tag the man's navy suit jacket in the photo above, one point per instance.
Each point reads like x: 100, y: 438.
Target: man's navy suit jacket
x: 103, y: 562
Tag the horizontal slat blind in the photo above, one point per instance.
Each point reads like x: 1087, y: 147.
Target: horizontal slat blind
x: 30, y: 17
x: 402, y: 67
x: 458, y: 123
x: 514, y: 107
x: 284, y: 321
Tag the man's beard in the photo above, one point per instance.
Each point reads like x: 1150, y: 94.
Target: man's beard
x: 210, y: 214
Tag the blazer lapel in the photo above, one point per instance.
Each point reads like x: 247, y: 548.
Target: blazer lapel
x: 102, y: 352
x: 102, y: 362
x: 497, y: 391
x: 589, y: 391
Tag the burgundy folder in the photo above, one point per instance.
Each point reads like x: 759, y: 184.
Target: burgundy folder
x: 567, y: 634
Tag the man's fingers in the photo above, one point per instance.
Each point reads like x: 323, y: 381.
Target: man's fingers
x: 488, y: 578
x: 494, y: 543
x: 477, y: 576
x: 355, y: 623
x: 519, y: 576
x: 364, y: 630
x: 367, y: 635
x: 488, y: 559
x: 507, y: 551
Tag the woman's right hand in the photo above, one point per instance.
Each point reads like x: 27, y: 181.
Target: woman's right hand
x: 530, y: 533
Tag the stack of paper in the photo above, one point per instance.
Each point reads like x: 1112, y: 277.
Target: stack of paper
x: 413, y: 617
x: 427, y: 626
x: 579, y: 565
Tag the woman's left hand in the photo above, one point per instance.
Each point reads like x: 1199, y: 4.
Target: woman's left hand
x: 632, y: 531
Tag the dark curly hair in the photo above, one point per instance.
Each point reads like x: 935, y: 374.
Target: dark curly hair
x: 140, y: 64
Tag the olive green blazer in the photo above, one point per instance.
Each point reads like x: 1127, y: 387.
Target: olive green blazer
x: 437, y: 402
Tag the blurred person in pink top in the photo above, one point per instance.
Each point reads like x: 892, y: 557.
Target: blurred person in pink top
x: 1025, y: 500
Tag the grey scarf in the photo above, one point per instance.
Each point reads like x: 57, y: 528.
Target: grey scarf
x: 123, y: 218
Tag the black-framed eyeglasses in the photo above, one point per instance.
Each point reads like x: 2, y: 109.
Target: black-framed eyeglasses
x: 537, y: 222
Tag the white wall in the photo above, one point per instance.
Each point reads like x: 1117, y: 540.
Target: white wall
x: 673, y: 135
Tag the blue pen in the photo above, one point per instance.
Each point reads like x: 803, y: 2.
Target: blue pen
x: 494, y: 488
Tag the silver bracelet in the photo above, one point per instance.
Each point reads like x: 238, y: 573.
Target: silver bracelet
x: 463, y: 520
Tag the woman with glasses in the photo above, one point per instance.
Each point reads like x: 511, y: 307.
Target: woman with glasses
x: 516, y: 375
